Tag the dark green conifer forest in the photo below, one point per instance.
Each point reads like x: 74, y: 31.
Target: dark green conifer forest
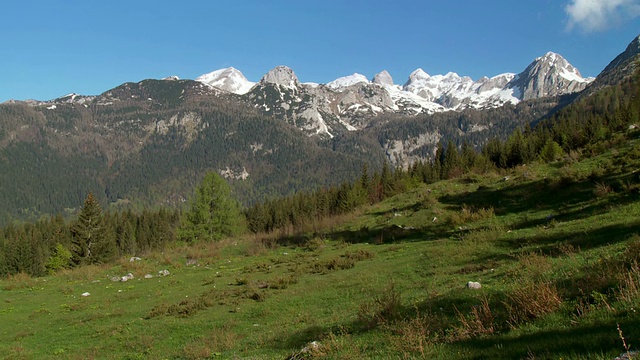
x: 99, y: 234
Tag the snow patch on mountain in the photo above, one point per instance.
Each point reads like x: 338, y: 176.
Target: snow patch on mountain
x: 347, y: 81
x: 229, y: 79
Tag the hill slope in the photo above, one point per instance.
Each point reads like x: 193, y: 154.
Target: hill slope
x: 552, y: 246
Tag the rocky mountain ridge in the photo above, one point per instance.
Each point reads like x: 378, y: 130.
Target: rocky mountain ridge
x: 343, y: 104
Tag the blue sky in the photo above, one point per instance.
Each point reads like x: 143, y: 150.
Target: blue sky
x: 54, y: 47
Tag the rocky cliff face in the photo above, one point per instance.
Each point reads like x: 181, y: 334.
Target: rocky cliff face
x: 549, y: 75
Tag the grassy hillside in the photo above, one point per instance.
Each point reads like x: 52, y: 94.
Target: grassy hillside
x: 555, y: 248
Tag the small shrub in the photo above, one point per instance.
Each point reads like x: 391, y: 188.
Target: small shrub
x: 470, y: 214
x: 632, y: 253
x: 569, y: 175
x: 384, y: 308
x: 532, y: 301
x: 414, y: 335
x: 254, y: 294
x: 59, y: 259
x: 602, y: 190
x: 479, y: 321
x: 629, y: 288
x: 359, y: 255
x: 534, y: 265
x: 481, y: 236
x: 257, y: 247
x: 242, y: 281
x: 315, y: 244
x: 282, y: 282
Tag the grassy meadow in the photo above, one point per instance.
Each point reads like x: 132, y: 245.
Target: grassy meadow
x: 555, y: 248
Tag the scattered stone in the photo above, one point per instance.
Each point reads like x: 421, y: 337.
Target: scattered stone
x: 134, y: 258
x: 85, y: 294
x: 192, y: 262
x: 127, y: 277
x: 397, y: 215
x: 473, y: 285
x: 628, y: 355
x: 148, y: 276
x: 434, y: 219
x: 312, y: 346
x: 114, y: 278
x: 164, y: 272
x: 506, y: 178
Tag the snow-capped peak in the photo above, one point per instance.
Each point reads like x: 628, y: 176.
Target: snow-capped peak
x: 548, y: 75
x: 347, y: 81
x: 417, y: 75
x: 229, y: 79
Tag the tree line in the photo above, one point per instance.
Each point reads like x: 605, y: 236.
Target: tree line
x: 96, y: 236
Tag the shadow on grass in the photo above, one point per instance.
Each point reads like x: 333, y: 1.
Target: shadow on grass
x: 599, y: 340
x: 378, y: 235
x: 393, y: 234
x: 524, y: 197
x: 547, y: 241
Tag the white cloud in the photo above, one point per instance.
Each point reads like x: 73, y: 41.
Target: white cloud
x: 598, y: 15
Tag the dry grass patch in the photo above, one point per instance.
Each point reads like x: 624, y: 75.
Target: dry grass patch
x: 18, y: 281
x: 212, y: 344
x: 469, y: 214
x: 382, y: 309
x: 532, y: 301
x: 85, y: 273
x: 479, y: 321
x: 602, y: 190
x: 415, y: 335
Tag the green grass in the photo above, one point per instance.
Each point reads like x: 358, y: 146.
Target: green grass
x: 553, y: 247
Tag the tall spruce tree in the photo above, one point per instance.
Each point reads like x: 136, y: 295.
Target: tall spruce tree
x: 90, y: 243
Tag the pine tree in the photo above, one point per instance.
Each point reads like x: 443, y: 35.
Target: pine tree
x: 451, y: 163
x: 386, y: 181
x: 90, y: 243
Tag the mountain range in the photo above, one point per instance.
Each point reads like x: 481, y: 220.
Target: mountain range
x: 148, y: 143
x: 343, y: 104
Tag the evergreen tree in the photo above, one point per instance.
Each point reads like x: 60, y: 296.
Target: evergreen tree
x: 551, y: 151
x: 213, y: 213
x: 90, y: 243
x: 451, y: 163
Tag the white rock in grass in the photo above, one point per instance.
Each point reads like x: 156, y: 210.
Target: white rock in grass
x: 85, y: 294
x: 148, y: 276
x: 134, y: 258
x: 473, y: 285
x: 164, y: 272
